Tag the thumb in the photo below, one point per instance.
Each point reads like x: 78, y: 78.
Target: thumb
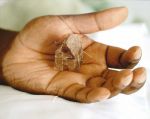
x: 97, y: 21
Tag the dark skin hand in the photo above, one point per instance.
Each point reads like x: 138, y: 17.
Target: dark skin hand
x: 29, y: 63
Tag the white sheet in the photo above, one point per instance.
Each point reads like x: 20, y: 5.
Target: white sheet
x: 15, y: 104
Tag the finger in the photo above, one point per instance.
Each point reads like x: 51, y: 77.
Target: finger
x: 92, y: 22
x: 120, y: 58
x: 72, y: 86
x: 139, y: 78
x: 80, y: 93
x: 95, y: 82
x: 116, y: 81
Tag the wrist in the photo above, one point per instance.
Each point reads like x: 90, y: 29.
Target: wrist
x: 6, y: 38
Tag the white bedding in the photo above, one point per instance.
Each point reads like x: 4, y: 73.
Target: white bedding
x: 15, y: 104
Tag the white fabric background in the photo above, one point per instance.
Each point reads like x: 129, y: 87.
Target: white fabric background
x: 20, y: 105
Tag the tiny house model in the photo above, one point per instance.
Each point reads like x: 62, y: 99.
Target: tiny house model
x: 69, y: 55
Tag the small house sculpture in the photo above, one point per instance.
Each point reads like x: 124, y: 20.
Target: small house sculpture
x: 69, y: 55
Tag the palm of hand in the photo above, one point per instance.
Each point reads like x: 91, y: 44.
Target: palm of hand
x: 29, y: 64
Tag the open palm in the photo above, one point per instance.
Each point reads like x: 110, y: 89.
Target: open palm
x: 29, y: 63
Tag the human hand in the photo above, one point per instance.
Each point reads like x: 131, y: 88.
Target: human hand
x: 29, y: 63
